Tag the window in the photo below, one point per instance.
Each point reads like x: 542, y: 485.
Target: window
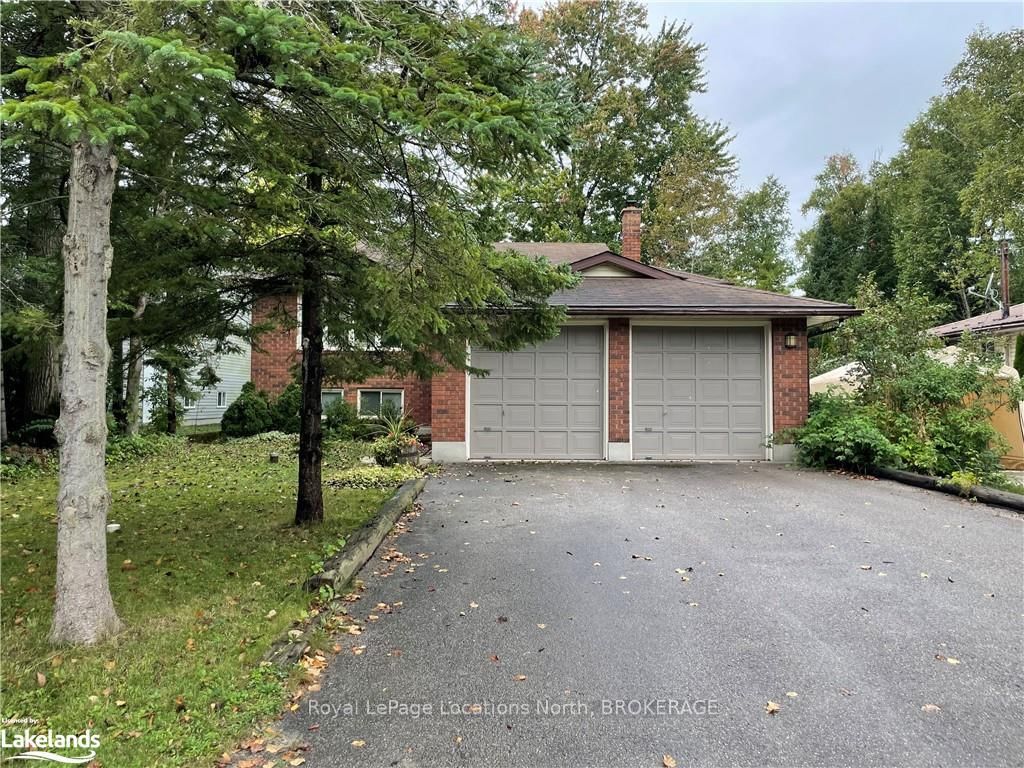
x: 222, y: 399
x: 330, y: 396
x: 372, y: 400
x: 187, y: 402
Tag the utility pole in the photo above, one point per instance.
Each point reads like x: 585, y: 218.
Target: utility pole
x: 1004, y: 263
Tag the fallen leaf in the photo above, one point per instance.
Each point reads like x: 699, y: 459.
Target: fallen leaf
x: 271, y: 613
x: 542, y: 626
x: 474, y: 605
x: 190, y: 644
x: 494, y: 658
x: 951, y: 660
x: 358, y: 743
x: 771, y: 707
x: 930, y: 708
x: 296, y: 761
x: 792, y: 694
x: 668, y: 761
x: 109, y: 665
x: 519, y: 678
x: 865, y: 567
x: 40, y: 679
x: 121, y: 703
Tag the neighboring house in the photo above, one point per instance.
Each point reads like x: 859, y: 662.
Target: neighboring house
x: 652, y: 364
x: 208, y: 407
x: 1004, y: 330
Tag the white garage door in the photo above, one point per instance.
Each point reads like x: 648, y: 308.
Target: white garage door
x: 698, y: 393
x: 542, y: 402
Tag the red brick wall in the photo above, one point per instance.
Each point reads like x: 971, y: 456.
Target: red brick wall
x: 631, y: 233
x: 417, y: 393
x: 618, y: 380
x: 275, y: 352
x: 448, y: 403
x: 790, y: 382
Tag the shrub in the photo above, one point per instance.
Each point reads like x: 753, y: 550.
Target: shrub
x: 248, y: 415
x: 123, y: 448
x: 375, y: 477
x: 386, y: 451
x: 841, y: 433
x: 340, y: 414
x: 21, y: 461
x: 284, y: 413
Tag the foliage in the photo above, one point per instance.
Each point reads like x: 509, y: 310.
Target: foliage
x: 124, y: 448
x: 38, y: 434
x: 21, y: 461
x: 248, y: 415
x: 284, y: 413
x: 931, y: 406
x: 383, y: 477
x: 759, y: 237
x: 841, y: 432
x: 386, y: 451
x: 205, y: 553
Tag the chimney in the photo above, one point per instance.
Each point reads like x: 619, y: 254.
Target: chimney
x: 631, y: 232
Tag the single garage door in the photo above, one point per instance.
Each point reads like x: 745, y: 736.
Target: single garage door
x: 698, y: 393
x: 542, y: 402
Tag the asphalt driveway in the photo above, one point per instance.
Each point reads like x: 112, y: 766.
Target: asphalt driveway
x: 578, y: 615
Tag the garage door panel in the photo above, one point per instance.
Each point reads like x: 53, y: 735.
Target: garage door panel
x: 552, y: 416
x: 585, y: 364
x: 552, y: 390
x: 681, y: 445
x: 518, y: 391
x: 487, y: 416
x: 545, y: 401
x: 748, y: 444
x: 699, y: 392
x: 648, y: 416
x: 680, y: 390
x: 747, y: 416
x: 712, y: 364
x: 680, y: 364
x: 585, y: 391
x: 552, y: 363
x: 648, y: 391
x: 680, y: 417
x: 518, y: 416
x: 486, y: 390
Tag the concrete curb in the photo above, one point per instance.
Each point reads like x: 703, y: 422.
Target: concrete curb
x: 341, y: 567
x: 992, y: 496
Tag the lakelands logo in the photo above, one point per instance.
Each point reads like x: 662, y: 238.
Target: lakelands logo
x: 37, y: 746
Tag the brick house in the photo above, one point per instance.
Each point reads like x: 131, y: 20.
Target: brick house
x: 652, y: 364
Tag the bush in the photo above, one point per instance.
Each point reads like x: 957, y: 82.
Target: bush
x: 340, y: 414
x: 21, y: 461
x: 123, y: 448
x: 374, y: 477
x: 248, y: 415
x: 285, y: 412
x: 842, y: 433
x: 386, y: 450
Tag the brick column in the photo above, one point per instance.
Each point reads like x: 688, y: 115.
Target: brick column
x: 618, y: 389
x: 276, y: 352
x: 448, y: 416
x: 790, y: 380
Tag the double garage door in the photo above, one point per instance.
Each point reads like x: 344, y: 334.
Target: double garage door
x: 697, y: 393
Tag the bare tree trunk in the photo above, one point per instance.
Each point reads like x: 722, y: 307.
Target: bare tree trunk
x: 117, y: 403
x: 3, y: 403
x: 83, y: 612
x: 172, y: 403
x: 133, y: 389
x: 44, y: 379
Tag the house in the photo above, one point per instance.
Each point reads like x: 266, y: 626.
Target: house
x: 1002, y: 328
x: 652, y: 364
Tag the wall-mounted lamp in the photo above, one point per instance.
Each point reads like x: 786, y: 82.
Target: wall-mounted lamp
x: 790, y: 341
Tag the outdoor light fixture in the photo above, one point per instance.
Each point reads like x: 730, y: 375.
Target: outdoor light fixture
x: 790, y: 341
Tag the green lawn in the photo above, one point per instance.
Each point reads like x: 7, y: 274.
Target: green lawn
x: 206, y: 571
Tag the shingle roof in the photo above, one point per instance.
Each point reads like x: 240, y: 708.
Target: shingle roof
x: 556, y: 253
x: 687, y: 297
x: 990, y: 322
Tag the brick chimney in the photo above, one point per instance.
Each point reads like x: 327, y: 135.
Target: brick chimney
x: 631, y: 232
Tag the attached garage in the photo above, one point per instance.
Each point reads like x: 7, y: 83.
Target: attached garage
x: 542, y: 402
x: 698, y: 392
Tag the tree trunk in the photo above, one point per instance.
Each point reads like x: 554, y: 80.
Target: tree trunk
x: 133, y: 388
x: 83, y: 612
x: 3, y: 402
x: 172, y: 403
x: 44, y: 379
x: 309, y: 507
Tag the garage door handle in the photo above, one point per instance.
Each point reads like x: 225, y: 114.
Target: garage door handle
x: 648, y: 429
x: 487, y: 429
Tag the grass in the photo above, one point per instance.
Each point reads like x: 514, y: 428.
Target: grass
x: 206, y: 572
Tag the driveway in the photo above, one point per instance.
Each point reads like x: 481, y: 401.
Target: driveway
x: 580, y: 615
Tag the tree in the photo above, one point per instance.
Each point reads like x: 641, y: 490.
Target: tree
x: 108, y: 87
x: 626, y: 96
x: 760, y: 237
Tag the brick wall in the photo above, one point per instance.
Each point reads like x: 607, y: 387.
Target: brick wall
x: 275, y: 352
x: 417, y: 393
x: 790, y: 383
x: 448, y: 404
x: 618, y: 380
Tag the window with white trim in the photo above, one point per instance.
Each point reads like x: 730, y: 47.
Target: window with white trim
x: 222, y: 400
x: 329, y: 346
x: 372, y: 400
x: 330, y: 396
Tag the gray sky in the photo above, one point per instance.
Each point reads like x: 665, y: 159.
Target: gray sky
x: 796, y: 82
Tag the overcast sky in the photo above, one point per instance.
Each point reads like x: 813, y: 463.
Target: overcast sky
x: 796, y: 82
